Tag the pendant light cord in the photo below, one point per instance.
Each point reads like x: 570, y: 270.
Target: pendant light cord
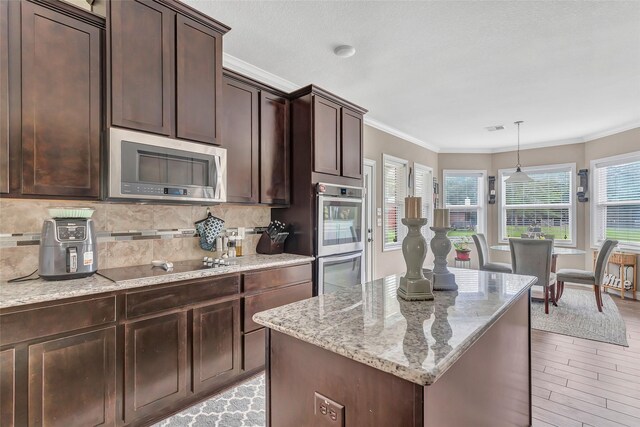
x: 518, y: 154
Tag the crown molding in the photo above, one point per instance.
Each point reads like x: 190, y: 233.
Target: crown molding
x: 257, y: 73
x: 250, y: 70
x: 398, y: 133
x: 612, y: 131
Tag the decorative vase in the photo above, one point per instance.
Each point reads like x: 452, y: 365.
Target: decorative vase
x: 443, y: 279
x: 413, y: 285
x: 463, y: 255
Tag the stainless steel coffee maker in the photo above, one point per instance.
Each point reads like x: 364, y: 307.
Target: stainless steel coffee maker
x: 68, y: 249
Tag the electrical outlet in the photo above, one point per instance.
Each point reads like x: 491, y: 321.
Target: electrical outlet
x: 330, y: 413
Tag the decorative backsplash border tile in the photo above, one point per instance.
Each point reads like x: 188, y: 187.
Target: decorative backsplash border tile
x: 29, y: 239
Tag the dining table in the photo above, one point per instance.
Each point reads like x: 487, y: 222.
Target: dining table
x: 557, y: 250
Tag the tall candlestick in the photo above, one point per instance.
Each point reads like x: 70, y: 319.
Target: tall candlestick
x: 441, y: 218
x: 413, y: 207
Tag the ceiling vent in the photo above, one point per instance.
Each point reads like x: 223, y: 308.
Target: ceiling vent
x: 494, y: 128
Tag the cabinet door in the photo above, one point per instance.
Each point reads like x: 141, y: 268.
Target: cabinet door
x: 275, y: 154
x: 4, y: 97
x: 326, y: 136
x: 61, y: 105
x: 240, y: 138
x: 351, y: 144
x: 72, y: 380
x: 142, y: 66
x: 7, y: 387
x: 216, y: 344
x: 198, y: 81
x: 155, y: 364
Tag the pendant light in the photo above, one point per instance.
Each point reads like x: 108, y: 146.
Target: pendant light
x: 518, y: 175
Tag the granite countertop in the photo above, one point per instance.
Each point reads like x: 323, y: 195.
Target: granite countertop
x: 416, y: 341
x: 40, y: 290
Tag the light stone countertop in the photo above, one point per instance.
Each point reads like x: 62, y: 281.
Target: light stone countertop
x: 416, y: 341
x: 40, y: 290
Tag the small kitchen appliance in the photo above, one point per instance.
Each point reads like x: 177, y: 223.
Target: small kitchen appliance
x: 68, y: 249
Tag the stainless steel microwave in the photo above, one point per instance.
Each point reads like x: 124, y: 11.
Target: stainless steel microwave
x: 151, y: 167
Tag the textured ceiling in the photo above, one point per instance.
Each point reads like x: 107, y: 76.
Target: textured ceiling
x: 442, y: 71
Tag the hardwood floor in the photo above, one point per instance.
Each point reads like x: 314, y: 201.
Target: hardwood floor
x: 581, y: 383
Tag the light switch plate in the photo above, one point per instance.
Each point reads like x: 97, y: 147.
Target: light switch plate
x: 379, y: 222
x: 379, y: 211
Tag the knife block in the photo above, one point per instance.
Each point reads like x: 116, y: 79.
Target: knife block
x: 266, y: 246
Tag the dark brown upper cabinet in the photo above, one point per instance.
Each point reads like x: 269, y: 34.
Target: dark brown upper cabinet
x: 61, y: 104
x: 166, y: 69
x: 326, y: 136
x: 198, y: 78
x: 351, y: 147
x: 142, y: 65
x: 275, y: 153
x: 255, y: 129
x: 240, y: 127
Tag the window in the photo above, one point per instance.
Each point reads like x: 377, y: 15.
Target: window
x: 545, y: 205
x: 464, y: 196
x: 423, y: 187
x: 395, y: 190
x: 615, y: 202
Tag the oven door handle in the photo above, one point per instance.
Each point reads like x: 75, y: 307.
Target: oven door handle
x: 341, y: 199
x: 332, y: 258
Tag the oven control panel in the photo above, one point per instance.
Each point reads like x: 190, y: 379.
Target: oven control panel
x: 339, y: 191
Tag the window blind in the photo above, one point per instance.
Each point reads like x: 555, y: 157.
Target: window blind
x: 423, y: 187
x: 616, y: 199
x: 464, y: 197
x: 544, y: 205
x: 395, y: 190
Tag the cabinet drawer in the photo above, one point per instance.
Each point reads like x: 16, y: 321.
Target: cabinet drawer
x: 187, y: 293
x: 264, y: 301
x: 277, y: 277
x: 42, y: 322
x: 254, y: 350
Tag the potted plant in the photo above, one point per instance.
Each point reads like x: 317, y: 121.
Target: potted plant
x: 462, y: 248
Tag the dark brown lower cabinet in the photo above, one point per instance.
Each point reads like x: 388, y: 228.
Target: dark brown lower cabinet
x: 254, y: 350
x: 216, y: 344
x: 7, y: 387
x: 154, y: 364
x: 72, y: 380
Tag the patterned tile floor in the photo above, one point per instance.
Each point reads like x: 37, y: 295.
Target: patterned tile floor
x: 241, y: 406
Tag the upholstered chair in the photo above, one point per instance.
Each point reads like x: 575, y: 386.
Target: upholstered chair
x: 585, y: 277
x: 483, y: 256
x: 532, y: 257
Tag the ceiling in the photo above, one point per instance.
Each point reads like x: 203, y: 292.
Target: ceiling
x: 438, y: 73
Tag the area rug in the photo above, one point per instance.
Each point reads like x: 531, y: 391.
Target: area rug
x: 241, y: 406
x: 577, y: 315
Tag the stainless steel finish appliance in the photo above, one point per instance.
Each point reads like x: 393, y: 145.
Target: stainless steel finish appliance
x: 151, y: 167
x: 340, y: 219
x: 340, y: 237
x: 68, y: 249
x: 339, y: 272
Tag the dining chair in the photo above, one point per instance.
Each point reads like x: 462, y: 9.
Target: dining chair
x: 532, y: 257
x: 483, y: 256
x: 586, y: 277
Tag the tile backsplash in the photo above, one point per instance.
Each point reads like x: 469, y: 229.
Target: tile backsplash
x: 26, y: 216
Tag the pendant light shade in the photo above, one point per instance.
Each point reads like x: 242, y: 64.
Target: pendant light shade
x: 518, y: 175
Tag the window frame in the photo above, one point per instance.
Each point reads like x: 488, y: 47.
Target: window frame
x: 416, y: 166
x: 502, y: 238
x: 481, y: 207
x: 388, y: 247
x: 593, y: 197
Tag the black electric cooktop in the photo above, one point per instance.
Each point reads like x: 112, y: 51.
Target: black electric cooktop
x: 143, y: 271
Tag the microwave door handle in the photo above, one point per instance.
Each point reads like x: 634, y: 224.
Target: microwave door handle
x: 218, y: 188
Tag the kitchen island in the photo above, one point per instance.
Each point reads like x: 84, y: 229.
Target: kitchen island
x: 364, y: 357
